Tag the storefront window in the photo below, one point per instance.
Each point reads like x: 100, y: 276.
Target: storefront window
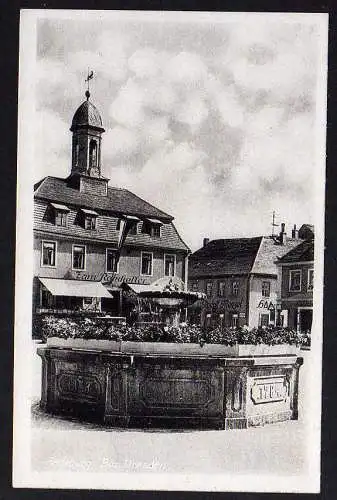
x: 295, y: 281
x: 79, y: 257
x: 146, y: 265
x: 209, y: 288
x: 221, y: 289
x: 49, y: 253
x: 170, y: 264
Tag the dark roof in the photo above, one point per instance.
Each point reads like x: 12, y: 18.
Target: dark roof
x: 304, y: 252
x: 225, y: 256
x: 87, y: 115
x: 239, y: 256
x: 120, y: 201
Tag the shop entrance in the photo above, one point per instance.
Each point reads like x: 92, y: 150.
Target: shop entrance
x: 305, y: 320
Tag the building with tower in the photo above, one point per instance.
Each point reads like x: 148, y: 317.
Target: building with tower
x: 94, y: 244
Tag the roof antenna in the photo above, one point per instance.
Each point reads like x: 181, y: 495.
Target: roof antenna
x: 273, y: 224
x: 87, y: 80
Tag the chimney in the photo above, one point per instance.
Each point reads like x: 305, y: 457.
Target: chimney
x: 283, y: 234
x: 206, y: 241
x: 294, y: 233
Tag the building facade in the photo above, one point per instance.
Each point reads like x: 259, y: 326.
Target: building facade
x: 240, y: 279
x: 297, y: 285
x: 93, y: 242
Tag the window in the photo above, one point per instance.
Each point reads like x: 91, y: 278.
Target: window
x: 235, y: 288
x: 209, y: 287
x: 310, y: 279
x: 90, y: 222
x: 155, y: 231
x: 49, y: 253
x: 93, y: 154
x: 78, y: 257
x: 264, y: 319
x: 221, y: 289
x: 265, y: 288
x: 134, y: 228
x: 195, y: 286
x: 234, y: 320
x: 111, y: 261
x: 170, y: 265
x: 295, y: 278
x: 146, y: 263
x: 61, y: 218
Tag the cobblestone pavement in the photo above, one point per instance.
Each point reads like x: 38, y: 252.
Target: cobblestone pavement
x: 62, y: 444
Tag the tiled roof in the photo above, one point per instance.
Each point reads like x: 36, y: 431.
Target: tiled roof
x: 106, y: 231
x: 238, y: 256
x: 302, y: 253
x: 120, y: 201
x: 269, y: 252
x: 224, y: 256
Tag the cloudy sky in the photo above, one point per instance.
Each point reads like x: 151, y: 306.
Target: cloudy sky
x: 213, y: 122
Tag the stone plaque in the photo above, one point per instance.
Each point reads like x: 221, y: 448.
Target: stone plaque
x: 269, y: 389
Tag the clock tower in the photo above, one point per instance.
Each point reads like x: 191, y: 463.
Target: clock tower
x: 87, y: 132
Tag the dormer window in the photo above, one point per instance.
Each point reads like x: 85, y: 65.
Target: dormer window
x: 90, y: 219
x: 61, y: 214
x: 152, y: 227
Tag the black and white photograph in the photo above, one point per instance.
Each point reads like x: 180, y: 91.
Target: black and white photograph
x: 169, y: 250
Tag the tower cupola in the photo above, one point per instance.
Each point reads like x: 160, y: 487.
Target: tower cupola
x: 87, y: 129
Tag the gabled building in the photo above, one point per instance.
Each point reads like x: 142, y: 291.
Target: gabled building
x: 240, y: 279
x: 297, y: 285
x: 91, y: 239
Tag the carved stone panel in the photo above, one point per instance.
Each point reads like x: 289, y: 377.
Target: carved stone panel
x: 83, y: 388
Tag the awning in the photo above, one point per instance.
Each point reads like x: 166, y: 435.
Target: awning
x: 155, y: 221
x: 75, y: 288
x: 139, y: 288
x: 89, y: 212
x: 58, y: 206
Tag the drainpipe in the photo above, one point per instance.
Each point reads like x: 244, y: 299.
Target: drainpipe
x: 248, y: 298
x: 186, y: 272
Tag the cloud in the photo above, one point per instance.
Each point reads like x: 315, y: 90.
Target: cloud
x: 53, y: 146
x: 219, y: 136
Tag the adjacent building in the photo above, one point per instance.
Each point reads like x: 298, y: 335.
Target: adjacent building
x: 91, y: 240
x: 240, y: 279
x: 297, y: 284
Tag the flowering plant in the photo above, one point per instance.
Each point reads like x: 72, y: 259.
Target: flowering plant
x: 98, y: 328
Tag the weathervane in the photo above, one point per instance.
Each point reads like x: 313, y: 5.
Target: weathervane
x: 87, y: 80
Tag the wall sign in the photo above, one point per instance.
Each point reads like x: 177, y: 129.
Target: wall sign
x: 266, y: 304
x: 110, y: 278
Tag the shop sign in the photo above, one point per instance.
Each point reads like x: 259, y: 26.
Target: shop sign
x: 110, y: 279
x: 266, y: 304
x: 227, y: 305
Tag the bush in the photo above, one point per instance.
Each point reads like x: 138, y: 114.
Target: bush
x: 98, y: 328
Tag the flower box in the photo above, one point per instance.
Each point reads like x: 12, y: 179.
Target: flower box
x: 170, y: 348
